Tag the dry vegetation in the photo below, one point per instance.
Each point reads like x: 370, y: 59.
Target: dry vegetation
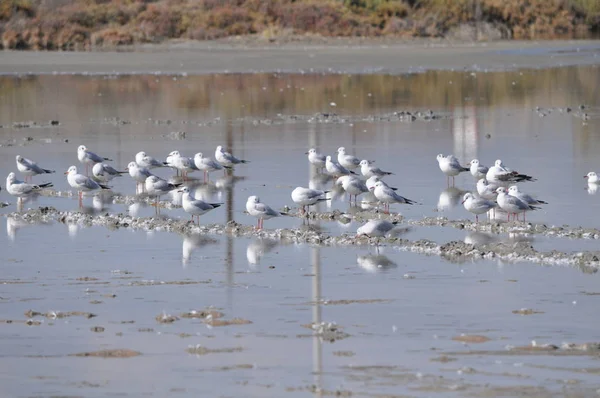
x: 82, y: 24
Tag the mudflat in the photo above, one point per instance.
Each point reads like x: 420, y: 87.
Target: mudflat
x: 306, y: 56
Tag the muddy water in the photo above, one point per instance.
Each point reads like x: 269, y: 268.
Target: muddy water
x: 398, y: 316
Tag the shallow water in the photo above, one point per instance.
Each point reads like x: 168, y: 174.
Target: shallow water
x: 270, y: 120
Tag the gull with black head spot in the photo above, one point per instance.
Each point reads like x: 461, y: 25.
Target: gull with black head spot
x: 261, y: 211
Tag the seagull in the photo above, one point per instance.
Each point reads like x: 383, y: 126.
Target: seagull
x: 181, y: 163
x: 143, y: 160
x: 500, y: 174
x: 138, y: 173
x: 315, y: 158
x: 348, y: 161
x: 89, y: 158
x: 513, y: 190
x: 386, y: 195
x: 21, y: 189
x: 260, y: 210
x: 592, y: 178
x: 374, y: 180
x: 104, y: 173
x: 450, y: 166
x: 258, y: 248
x: 227, y: 159
x: 477, y: 205
x: 156, y: 186
x: 512, y: 204
x: 376, y: 228
x: 369, y: 171
x: 308, y: 197
x: 29, y: 168
x: 82, y: 183
x: 335, y: 169
x: 352, y: 185
x: 195, y: 207
x: 478, y: 171
x: 486, y: 190
x: 207, y: 165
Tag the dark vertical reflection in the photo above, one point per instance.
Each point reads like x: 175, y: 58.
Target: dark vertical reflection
x: 313, y: 142
x: 229, y: 214
x: 316, y: 318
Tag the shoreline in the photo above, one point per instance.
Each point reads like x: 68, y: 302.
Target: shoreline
x: 331, y: 56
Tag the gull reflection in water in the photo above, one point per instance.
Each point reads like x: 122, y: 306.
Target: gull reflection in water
x: 22, y: 200
x: 450, y: 198
x: 99, y: 204
x: 375, y: 263
x: 73, y: 228
x: 481, y: 238
x: 13, y: 225
x: 258, y: 248
x: 191, y: 242
x: 134, y: 208
x: 320, y: 182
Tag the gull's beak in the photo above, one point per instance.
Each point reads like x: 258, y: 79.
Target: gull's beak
x: 306, y: 153
x: 126, y: 168
x: 180, y: 190
x: 66, y: 172
x: 372, y: 189
x: 463, y: 202
x: 585, y: 176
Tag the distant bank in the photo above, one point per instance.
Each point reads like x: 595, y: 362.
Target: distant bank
x: 88, y: 24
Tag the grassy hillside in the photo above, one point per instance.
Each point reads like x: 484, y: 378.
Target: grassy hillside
x: 83, y: 24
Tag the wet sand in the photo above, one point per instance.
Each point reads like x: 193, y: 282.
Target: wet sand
x: 332, y: 56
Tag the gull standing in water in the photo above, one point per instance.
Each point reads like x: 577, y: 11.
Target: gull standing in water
x: 315, y: 158
x: 139, y: 174
x: 226, y: 158
x: 477, y: 205
x: 105, y: 173
x: 29, y: 168
x: 386, y: 195
x: 500, y: 174
x: 348, y: 161
x: 367, y: 170
x: 82, y: 183
x: 157, y: 186
x: 512, y: 205
x: 477, y: 170
x: 487, y: 190
x: 207, y: 165
x: 182, y: 163
x: 374, y: 180
x: 513, y: 190
x: 307, y: 197
x: 376, y: 229
x: 22, y: 189
x: 195, y: 207
x: 260, y: 210
x: 353, y: 186
x: 89, y: 158
x: 147, y: 161
x: 335, y: 169
x: 450, y: 166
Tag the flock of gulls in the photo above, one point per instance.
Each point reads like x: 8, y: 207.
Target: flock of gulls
x: 495, y: 189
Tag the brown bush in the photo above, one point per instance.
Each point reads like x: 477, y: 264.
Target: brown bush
x: 112, y: 37
x: 69, y: 24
